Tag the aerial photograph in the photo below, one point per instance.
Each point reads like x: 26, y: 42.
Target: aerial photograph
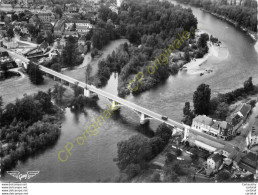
x: 128, y: 91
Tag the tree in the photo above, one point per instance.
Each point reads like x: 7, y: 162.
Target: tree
x: 202, y: 41
x: 58, y: 93
x: 10, y: 32
x: 1, y: 102
x: 248, y: 85
x: 49, y: 37
x: 170, y: 175
x: 135, y: 150
x: 223, y: 176
x: 35, y: 74
x: 15, y: 17
x: 70, y: 55
x: 187, y: 56
x: 104, y: 12
x: 164, y: 132
x: 73, y: 27
x: 40, y: 38
x: 94, y: 52
x: 201, y: 99
x: 132, y: 170
x: 222, y: 111
x: 155, y: 178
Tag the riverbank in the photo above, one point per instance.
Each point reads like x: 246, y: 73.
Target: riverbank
x: 252, y: 34
x: 194, y: 66
x: 80, y: 71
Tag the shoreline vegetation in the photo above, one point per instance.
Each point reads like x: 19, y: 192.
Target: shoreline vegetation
x: 220, y: 106
x: 32, y: 124
x: 252, y: 34
x: 27, y: 127
x: 243, y: 17
x: 148, y: 43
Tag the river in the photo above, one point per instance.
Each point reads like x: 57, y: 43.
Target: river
x: 94, y: 160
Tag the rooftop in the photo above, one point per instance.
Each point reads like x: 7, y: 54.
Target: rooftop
x: 204, y: 119
x: 216, y: 157
x: 244, y: 109
x: 255, y: 128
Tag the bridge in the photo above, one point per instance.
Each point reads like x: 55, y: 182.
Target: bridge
x: 143, y: 113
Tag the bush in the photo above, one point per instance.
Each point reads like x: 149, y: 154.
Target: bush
x: 132, y: 170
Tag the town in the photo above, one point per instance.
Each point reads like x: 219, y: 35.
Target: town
x: 65, y: 47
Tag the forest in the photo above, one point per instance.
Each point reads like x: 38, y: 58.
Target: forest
x: 27, y: 126
x: 150, y: 27
x: 244, y: 15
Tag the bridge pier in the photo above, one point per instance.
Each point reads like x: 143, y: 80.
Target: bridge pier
x: 143, y: 119
x: 186, y: 132
x: 115, y: 106
x: 87, y: 93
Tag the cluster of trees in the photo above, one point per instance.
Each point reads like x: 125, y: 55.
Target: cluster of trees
x: 34, y: 73
x: 135, y: 153
x: 47, y: 36
x: 152, y: 25
x: 27, y: 126
x: 55, y: 63
x: 113, y: 63
x: 71, y: 56
x: 216, y: 107
x: 245, y: 15
x: 103, y: 33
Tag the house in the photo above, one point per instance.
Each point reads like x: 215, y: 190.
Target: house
x: 59, y: 27
x: 214, y: 161
x: 82, y: 26
x: 6, y: 62
x: 222, y: 129
x: 205, y: 124
x: 6, y: 7
x: 72, y: 8
x: 70, y: 33
x: 244, y: 110
x: 236, y: 156
x: 46, y: 26
x: 229, y: 149
x: 252, y: 137
x: 202, y: 123
x: 239, y: 117
x: 46, y: 17
x: 249, y: 163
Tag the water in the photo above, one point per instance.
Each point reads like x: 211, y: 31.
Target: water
x: 94, y: 160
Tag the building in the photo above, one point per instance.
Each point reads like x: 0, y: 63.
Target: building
x: 214, y: 161
x: 212, y: 127
x: 228, y: 150
x: 46, y: 17
x: 252, y: 137
x: 82, y: 26
x: 6, y: 63
x: 249, y: 163
x: 46, y: 26
x: 72, y: 8
x: 6, y: 7
x: 239, y: 117
x: 244, y: 110
x: 59, y: 27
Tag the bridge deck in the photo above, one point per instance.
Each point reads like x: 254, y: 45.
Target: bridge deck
x: 104, y: 94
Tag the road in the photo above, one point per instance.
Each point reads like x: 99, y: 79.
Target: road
x: 105, y: 94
